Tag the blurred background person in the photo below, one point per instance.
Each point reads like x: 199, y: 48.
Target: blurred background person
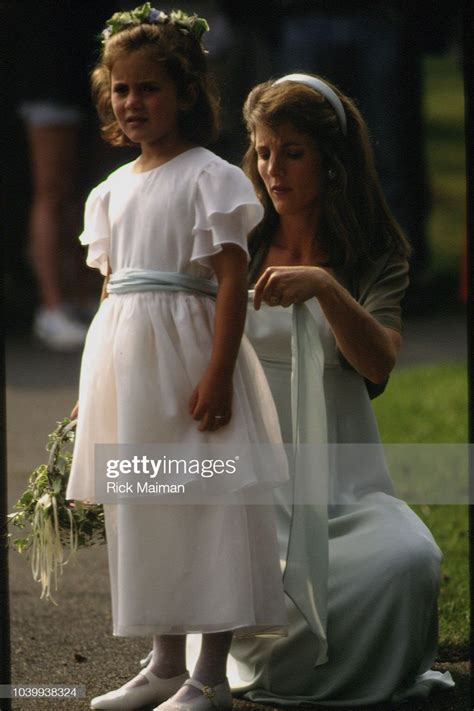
x: 55, y: 53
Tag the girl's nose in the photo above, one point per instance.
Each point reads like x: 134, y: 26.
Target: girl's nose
x: 132, y: 99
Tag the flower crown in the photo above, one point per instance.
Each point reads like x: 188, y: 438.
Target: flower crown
x: 148, y: 15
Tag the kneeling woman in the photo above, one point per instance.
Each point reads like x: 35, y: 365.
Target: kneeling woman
x: 362, y: 599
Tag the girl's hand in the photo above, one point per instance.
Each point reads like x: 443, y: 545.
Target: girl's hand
x: 283, y: 286
x: 211, y: 401
x: 74, y: 411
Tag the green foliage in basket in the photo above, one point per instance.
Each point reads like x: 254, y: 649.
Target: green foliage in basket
x: 49, y: 523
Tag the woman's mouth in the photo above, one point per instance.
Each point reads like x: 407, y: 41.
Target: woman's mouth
x: 135, y: 121
x: 279, y: 190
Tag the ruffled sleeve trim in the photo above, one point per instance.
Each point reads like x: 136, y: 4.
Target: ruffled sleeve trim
x: 226, y: 210
x: 96, y: 234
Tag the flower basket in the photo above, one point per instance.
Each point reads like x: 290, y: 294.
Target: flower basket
x: 53, y: 529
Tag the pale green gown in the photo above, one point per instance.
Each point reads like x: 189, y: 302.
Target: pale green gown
x: 379, y: 602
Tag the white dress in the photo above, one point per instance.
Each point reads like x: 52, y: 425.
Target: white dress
x: 174, y: 568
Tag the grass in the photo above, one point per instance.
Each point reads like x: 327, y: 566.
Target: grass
x: 425, y: 404
x: 444, y: 114
x: 429, y: 404
x: 410, y: 412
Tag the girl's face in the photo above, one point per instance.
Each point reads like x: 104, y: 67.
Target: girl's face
x: 289, y: 163
x: 145, y: 101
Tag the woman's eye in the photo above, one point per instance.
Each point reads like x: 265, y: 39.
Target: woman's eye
x: 295, y: 154
x: 151, y: 87
x: 263, y: 155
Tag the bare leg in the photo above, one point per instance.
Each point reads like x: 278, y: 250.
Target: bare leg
x: 54, y: 152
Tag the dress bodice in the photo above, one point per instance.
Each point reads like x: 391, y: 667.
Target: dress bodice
x: 269, y: 331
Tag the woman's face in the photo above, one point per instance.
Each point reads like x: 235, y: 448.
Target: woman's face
x: 289, y: 163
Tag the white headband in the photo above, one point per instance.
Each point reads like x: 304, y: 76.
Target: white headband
x: 323, y: 89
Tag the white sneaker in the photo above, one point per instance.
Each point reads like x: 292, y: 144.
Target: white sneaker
x: 58, y: 331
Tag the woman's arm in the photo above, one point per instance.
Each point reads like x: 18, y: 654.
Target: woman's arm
x: 213, y: 395
x: 368, y: 346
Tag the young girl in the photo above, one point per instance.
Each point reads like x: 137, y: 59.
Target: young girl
x: 164, y: 362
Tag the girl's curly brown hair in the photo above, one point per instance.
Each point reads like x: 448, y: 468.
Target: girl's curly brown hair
x: 185, y: 61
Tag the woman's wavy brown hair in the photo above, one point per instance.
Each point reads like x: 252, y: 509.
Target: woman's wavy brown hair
x: 186, y: 64
x: 356, y: 223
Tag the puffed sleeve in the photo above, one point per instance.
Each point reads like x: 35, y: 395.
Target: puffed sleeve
x: 381, y: 289
x: 96, y: 234
x: 227, y: 209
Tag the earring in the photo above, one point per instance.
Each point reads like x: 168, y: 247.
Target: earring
x: 331, y: 174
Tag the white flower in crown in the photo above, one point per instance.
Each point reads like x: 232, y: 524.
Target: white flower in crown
x: 107, y: 32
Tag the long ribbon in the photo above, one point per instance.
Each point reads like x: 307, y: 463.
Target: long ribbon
x: 306, y: 573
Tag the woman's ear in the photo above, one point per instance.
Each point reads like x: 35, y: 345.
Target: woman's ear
x: 188, y: 101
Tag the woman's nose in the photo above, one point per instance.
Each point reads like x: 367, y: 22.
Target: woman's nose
x: 274, y: 166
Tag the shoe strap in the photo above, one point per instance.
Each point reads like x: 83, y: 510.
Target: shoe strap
x: 208, y: 691
x: 152, y: 677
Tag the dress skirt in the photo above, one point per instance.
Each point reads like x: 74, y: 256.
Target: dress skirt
x: 183, y: 568
x: 178, y: 568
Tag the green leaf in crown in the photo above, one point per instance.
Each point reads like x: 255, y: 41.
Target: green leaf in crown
x: 146, y: 14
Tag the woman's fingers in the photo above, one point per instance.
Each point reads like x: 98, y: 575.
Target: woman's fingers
x: 283, y: 286
x: 74, y: 411
x: 260, y: 287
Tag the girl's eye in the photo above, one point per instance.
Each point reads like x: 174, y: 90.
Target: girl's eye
x: 150, y: 87
x: 120, y: 89
x: 263, y: 155
x: 295, y: 155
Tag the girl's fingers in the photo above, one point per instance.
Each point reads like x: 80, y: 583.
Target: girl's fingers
x: 206, y: 423
x: 193, y: 401
x: 211, y: 423
x: 74, y: 411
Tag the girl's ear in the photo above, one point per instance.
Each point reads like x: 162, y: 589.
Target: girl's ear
x: 189, y: 100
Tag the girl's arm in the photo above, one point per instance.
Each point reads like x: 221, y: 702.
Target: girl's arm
x: 213, y: 395
x: 369, y: 347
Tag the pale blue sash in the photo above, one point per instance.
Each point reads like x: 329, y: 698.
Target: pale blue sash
x: 127, y: 281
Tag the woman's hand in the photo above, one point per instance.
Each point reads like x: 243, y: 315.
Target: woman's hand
x: 74, y: 411
x: 283, y: 286
x: 211, y: 401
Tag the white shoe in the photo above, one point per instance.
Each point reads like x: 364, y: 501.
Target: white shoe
x: 156, y: 691
x: 212, y: 698
x: 58, y: 330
